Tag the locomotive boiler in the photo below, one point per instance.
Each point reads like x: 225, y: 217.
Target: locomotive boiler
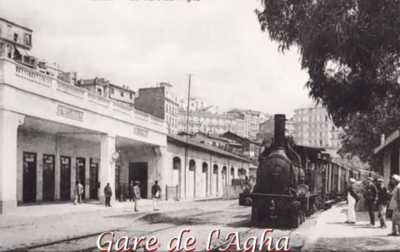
x: 281, y: 197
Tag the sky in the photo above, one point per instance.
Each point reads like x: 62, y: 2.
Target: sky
x: 142, y: 42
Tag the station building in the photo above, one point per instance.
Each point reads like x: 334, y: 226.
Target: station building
x: 54, y: 133
x: 388, y: 154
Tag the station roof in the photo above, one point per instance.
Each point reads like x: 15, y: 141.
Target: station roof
x: 388, y: 141
x: 207, y: 148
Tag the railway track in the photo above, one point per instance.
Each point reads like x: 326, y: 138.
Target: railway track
x: 87, y: 242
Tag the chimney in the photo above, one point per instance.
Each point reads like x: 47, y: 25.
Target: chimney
x: 382, y: 139
x: 279, y: 136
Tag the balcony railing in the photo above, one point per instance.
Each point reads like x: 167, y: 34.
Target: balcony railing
x: 32, y: 75
x: 87, y: 99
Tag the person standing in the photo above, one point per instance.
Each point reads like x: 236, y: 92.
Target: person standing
x: 107, y: 194
x: 395, y: 206
x: 155, y: 194
x: 76, y: 193
x: 136, y: 195
x: 352, y: 199
x: 383, y: 199
x: 81, y: 191
x: 130, y: 190
x: 370, y: 196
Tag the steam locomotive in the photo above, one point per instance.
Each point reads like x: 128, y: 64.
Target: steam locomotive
x: 293, y: 181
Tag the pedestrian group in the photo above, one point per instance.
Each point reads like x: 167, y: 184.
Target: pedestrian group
x: 386, y: 201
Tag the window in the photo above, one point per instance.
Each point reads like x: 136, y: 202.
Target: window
x: 131, y: 96
x: 112, y: 90
x: 15, y: 37
x: 9, y: 51
x: 27, y: 39
x: 122, y: 93
x: 99, y: 91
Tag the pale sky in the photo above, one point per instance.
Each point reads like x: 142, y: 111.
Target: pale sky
x: 142, y: 42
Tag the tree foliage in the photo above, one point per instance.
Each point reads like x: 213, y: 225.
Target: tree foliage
x: 350, y: 49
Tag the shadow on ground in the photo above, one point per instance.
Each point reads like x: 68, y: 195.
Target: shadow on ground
x: 188, y: 217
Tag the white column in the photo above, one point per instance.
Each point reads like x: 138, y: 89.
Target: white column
x: 107, y: 166
x: 9, y: 123
x: 164, y: 169
x: 57, y: 168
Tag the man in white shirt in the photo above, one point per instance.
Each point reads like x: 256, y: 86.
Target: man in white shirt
x: 352, y: 199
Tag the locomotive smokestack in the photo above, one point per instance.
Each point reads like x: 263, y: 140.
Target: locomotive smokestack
x: 279, y: 137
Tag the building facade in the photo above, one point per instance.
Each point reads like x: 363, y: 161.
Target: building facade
x: 388, y: 154
x: 161, y: 102
x: 207, y: 122
x: 15, y: 42
x: 103, y: 88
x: 195, y: 104
x: 251, y: 121
x: 314, y: 127
x: 55, y: 134
x: 266, y: 130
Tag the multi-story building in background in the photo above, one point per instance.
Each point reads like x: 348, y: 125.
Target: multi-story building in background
x: 161, y: 102
x: 266, y: 130
x: 15, y: 42
x: 208, y: 122
x: 195, y: 104
x: 251, y: 118
x: 314, y: 127
x: 104, y: 88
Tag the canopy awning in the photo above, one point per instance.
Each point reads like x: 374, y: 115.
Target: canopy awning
x: 23, y: 52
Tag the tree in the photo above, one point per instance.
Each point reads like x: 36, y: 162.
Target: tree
x: 351, y: 50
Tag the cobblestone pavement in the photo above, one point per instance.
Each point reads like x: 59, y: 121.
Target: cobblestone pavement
x: 331, y: 233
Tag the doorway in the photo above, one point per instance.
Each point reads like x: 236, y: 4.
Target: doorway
x: 48, y: 177
x: 94, y: 178
x: 29, y: 177
x: 65, y: 178
x: 138, y: 172
x: 80, y: 172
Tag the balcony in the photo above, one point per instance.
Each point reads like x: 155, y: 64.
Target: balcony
x: 33, y: 81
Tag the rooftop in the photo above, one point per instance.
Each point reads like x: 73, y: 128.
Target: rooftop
x: 208, y: 148
x: 15, y: 24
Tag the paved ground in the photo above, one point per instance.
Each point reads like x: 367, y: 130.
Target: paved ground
x: 331, y: 233
x: 64, y: 227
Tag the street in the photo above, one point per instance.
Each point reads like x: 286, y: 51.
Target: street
x: 80, y: 229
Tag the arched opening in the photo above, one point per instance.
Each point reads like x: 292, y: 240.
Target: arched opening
x: 191, y: 180
x: 176, y: 176
x: 215, y: 180
x: 204, y: 180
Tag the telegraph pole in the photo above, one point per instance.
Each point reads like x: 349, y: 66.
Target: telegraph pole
x: 187, y: 134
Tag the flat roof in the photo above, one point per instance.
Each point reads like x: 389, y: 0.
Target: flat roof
x: 12, y: 23
x: 205, y: 147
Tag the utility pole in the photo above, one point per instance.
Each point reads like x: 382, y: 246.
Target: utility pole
x: 187, y: 134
